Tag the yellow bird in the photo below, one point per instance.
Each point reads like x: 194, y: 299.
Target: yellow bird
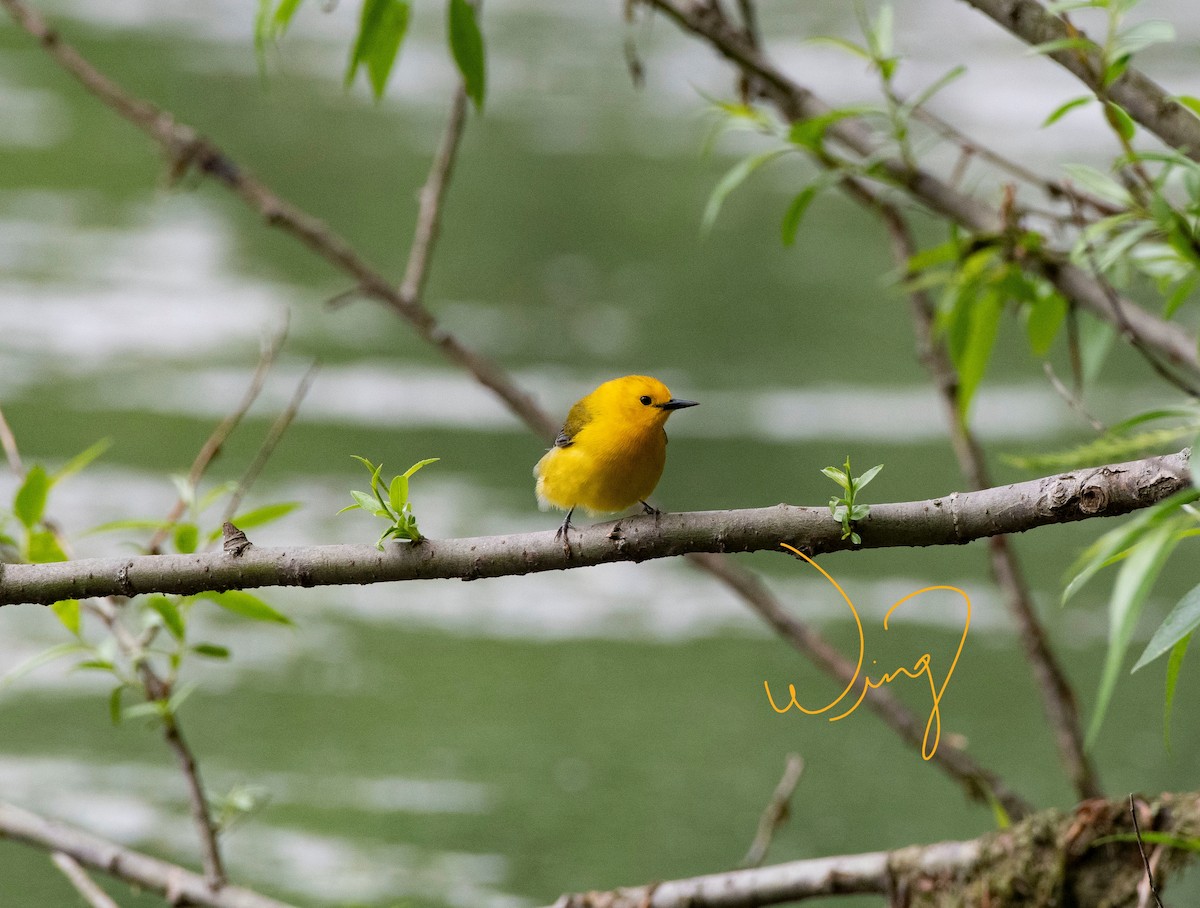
x: 611, y: 451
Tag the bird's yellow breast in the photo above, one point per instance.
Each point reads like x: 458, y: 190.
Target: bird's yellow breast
x: 605, y: 468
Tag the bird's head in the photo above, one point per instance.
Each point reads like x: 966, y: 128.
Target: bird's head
x: 637, y: 400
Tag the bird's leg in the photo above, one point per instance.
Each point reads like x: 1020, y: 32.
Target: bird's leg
x: 563, y: 532
x: 651, y: 509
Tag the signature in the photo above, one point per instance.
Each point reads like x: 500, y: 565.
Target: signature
x: 922, y: 668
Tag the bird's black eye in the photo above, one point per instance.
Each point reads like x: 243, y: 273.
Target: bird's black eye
x: 645, y: 399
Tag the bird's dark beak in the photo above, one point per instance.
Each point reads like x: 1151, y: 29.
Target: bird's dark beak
x: 676, y: 404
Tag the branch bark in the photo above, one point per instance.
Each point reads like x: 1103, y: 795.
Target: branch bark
x: 1143, y: 98
x: 796, y: 103
x: 1050, y: 858
x: 179, y: 885
x: 950, y: 520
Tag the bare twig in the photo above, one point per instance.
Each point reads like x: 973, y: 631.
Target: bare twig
x: 213, y: 444
x: 278, y: 427
x: 1070, y: 398
x: 1058, y: 699
x: 1137, y: 831
x: 84, y: 884
x: 429, y: 213
x: 178, y: 884
x: 9, y: 443
x: 776, y: 813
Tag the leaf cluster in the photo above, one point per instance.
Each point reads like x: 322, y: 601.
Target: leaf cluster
x: 395, y: 508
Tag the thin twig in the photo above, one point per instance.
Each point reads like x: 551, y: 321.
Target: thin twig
x: 1058, y: 698
x: 84, y: 884
x: 213, y: 444
x: 1137, y: 831
x: 1071, y: 399
x: 157, y: 688
x: 776, y: 813
x: 178, y: 885
x: 278, y: 427
x: 429, y: 213
x: 9, y: 442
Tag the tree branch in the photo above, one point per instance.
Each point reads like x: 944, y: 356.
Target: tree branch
x: 188, y: 149
x: 796, y: 103
x: 84, y: 884
x: 1143, y: 98
x: 1051, y: 857
x: 179, y: 885
x: 1058, y: 699
x: 954, y: 519
x: 776, y: 813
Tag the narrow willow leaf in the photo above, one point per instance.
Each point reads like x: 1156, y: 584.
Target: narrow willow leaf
x: 265, y: 514
x: 186, y: 537
x: 1060, y: 44
x: 1182, y: 620
x: 82, y: 459
x: 1120, y: 120
x: 418, y: 465
x: 1065, y: 108
x: 381, y: 30
x: 466, y: 44
x: 866, y: 477
x: 398, y: 492
x: 1095, y: 341
x: 734, y: 177
x: 283, y: 16
x: 247, y: 605
x: 1043, y: 320
x: 922, y: 97
x: 1136, y: 577
x: 114, y: 704
x: 1173, y: 665
x: 841, y: 44
x: 44, y: 548
x: 42, y: 658
x: 984, y: 325
x: 30, y: 501
x: 795, y: 213
x: 211, y: 650
x: 1191, y: 102
x: 68, y: 613
x: 1141, y: 36
x: 1099, y: 183
x: 171, y: 618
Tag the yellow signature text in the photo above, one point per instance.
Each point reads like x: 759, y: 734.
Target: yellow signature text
x: 922, y: 668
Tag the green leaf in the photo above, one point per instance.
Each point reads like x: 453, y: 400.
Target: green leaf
x: 186, y: 536
x: 265, y: 514
x: 1191, y: 102
x: 68, y: 613
x: 398, y: 492
x: 1099, y: 183
x: 861, y: 482
x: 842, y: 44
x: 283, y: 16
x: 1060, y: 44
x: 466, y: 44
x: 1044, y: 318
x: 211, y: 650
x: 418, y: 465
x: 114, y: 704
x: 364, y: 501
x: 1141, y: 36
x: 248, y: 606
x: 1065, y: 108
x: 1095, y: 340
x: 734, y: 177
x: 810, y: 133
x: 129, y: 525
x: 1120, y: 120
x: 99, y: 665
x: 381, y: 29
x: 1100, y: 552
x: 937, y: 85
x: 1136, y: 577
x: 30, y: 501
x: 44, y: 548
x: 1182, y: 620
x: 82, y: 459
x: 171, y: 618
x: 42, y: 658
x: 795, y: 212
x: 1174, y: 663
x: 838, y: 476
x: 984, y: 325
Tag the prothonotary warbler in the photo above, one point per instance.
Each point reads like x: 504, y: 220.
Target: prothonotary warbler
x: 611, y: 451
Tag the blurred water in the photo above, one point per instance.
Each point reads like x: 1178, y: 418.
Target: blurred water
x: 499, y: 742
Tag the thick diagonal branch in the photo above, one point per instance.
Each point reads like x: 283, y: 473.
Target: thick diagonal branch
x: 1143, y: 98
x: 795, y: 103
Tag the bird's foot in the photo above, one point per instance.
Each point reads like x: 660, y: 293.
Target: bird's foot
x: 563, y: 533
x: 651, y: 509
